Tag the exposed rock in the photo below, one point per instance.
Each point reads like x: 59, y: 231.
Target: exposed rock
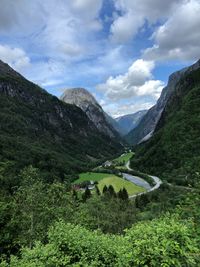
x: 147, y: 125
x: 130, y: 121
x: 38, y: 125
x: 84, y: 100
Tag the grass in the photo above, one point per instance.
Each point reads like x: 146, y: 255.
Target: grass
x: 109, y: 179
x: 92, y: 176
x: 124, y: 158
x: 118, y: 183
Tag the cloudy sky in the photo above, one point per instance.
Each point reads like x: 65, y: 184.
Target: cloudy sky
x: 122, y: 51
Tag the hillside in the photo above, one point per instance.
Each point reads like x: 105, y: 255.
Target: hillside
x: 37, y: 128
x: 173, y: 153
x: 147, y: 125
x: 128, y: 122
x: 84, y: 100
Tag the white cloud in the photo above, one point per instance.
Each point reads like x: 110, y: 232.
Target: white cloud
x: 179, y: 36
x: 15, y: 57
x: 55, y: 28
x: 87, y: 8
x: 118, y: 109
x: 125, y: 27
x: 136, y: 82
x: 134, y: 14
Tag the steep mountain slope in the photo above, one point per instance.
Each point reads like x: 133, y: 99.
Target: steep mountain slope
x: 146, y: 127
x: 84, y: 100
x: 114, y: 124
x: 130, y: 121
x: 37, y: 128
x: 173, y: 152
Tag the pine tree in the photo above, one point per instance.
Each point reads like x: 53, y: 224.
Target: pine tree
x: 105, y: 189
x: 97, y: 190
x: 111, y: 191
x: 120, y: 194
x: 74, y: 194
x: 87, y: 194
x: 124, y: 194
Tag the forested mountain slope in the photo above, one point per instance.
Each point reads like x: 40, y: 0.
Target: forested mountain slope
x: 173, y: 152
x: 37, y: 128
x: 147, y: 125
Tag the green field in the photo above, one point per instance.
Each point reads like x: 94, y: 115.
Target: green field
x: 118, y: 183
x: 124, y: 158
x: 92, y: 176
x: 109, y: 179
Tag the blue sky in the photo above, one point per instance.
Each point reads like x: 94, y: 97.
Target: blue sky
x: 122, y: 51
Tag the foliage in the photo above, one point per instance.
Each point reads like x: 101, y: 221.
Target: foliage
x: 173, y: 152
x: 87, y: 194
x: 165, y: 242
x: 40, y: 130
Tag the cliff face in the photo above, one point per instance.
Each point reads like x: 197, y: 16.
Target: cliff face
x: 173, y: 151
x: 37, y: 128
x: 130, y: 121
x: 84, y: 100
x: 146, y: 127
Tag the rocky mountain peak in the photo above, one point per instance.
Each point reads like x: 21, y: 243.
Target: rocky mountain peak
x: 79, y: 97
x: 86, y: 101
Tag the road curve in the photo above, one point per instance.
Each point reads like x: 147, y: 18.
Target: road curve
x: 141, y: 182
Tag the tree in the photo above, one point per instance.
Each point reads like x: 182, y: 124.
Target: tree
x: 105, y: 189
x: 167, y: 241
x: 120, y: 194
x: 111, y: 191
x: 97, y: 190
x: 74, y: 194
x: 87, y: 194
x: 30, y: 199
x: 123, y: 194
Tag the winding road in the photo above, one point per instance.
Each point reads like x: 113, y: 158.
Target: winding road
x: 141, y: 182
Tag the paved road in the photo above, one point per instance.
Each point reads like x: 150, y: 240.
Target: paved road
x: 141, y: 182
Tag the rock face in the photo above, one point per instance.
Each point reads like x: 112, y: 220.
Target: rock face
x: 84, y: 100
x: 130, y: 121
x: 147, y: 125
x: 37, y: 128
x: 173, y: 152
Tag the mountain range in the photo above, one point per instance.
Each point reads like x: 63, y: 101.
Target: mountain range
x: 130, y: 121
x: 63, y: 137
x: 83, y: 99
x: 37, y: 128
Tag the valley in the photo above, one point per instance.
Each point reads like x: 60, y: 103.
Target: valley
x: 112, y: 178
x: 73, y: 192
x: 115, y: 175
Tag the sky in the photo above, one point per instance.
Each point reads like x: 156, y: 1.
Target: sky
x: 122, y: 51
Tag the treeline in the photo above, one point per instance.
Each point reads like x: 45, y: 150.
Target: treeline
x: 33, y: 207
x: 162, y: 242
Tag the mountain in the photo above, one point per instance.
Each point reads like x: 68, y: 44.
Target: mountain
x: 84, y: 100
x: 130, y: 121
x: 173, y: 152
x: 146, y: 127
x: 37, y: 128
